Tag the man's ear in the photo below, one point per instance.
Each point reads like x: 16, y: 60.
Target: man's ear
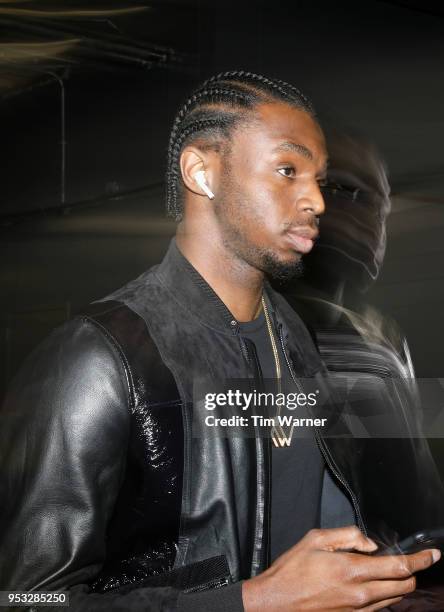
x: 193, y: 160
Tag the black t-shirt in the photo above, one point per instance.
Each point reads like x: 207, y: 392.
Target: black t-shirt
x: 297, y: 470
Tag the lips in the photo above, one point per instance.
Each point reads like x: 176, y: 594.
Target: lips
x: 302, y: 240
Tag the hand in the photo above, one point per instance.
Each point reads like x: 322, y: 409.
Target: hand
x: 320, y: 574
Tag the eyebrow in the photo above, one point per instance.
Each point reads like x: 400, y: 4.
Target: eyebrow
x: 302, y: 150
x: 297, y: 148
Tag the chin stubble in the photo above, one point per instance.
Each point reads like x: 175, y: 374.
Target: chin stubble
x: 279, y: 270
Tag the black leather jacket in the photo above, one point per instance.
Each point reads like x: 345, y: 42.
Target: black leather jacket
x: 104, y: 487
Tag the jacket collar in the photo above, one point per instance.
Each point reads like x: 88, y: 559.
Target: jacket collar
x: 193, y: 292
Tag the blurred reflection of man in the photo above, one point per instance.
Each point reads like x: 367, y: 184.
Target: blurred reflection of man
x: 355, y: 341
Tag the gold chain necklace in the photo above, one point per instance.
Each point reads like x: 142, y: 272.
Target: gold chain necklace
x: 273, y: 341
x: 277, y: 429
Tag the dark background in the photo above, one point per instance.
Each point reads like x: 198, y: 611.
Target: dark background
x: 86, y: 106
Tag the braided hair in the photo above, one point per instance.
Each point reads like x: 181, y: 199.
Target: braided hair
x: 213, y: 110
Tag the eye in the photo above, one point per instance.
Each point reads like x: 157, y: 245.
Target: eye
x: 322, y: 182
x: 287, y: 171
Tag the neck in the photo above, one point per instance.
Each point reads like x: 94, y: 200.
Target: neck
x: 237, y: 284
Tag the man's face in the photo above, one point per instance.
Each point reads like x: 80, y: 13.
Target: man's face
x: 269, y: 196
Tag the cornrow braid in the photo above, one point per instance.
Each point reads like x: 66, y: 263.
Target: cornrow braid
x: 213, y: 110
x: 287, y: 90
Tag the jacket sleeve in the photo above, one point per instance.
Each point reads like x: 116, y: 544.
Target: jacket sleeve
x: 64, y: 430
x: 227, y: 599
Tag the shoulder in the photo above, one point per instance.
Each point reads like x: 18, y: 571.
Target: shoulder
x: 75, y: 347
x: 135, y: 289
x: 75, y: 376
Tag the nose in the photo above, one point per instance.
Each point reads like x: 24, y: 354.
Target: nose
x: 312, y: 201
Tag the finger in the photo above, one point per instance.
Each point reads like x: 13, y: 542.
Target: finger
x: 380, y: 590
x: 381, y: 605
x: 364, y: 568
x: 340, y: 538
x: 422, y: 560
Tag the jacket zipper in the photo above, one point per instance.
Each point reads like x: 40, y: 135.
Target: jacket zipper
x: 324, y: 451
x: 263, y: 560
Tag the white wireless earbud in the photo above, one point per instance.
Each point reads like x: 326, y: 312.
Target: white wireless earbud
x: 199, y: 177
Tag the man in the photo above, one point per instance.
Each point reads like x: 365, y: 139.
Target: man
x: 112, y: 487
